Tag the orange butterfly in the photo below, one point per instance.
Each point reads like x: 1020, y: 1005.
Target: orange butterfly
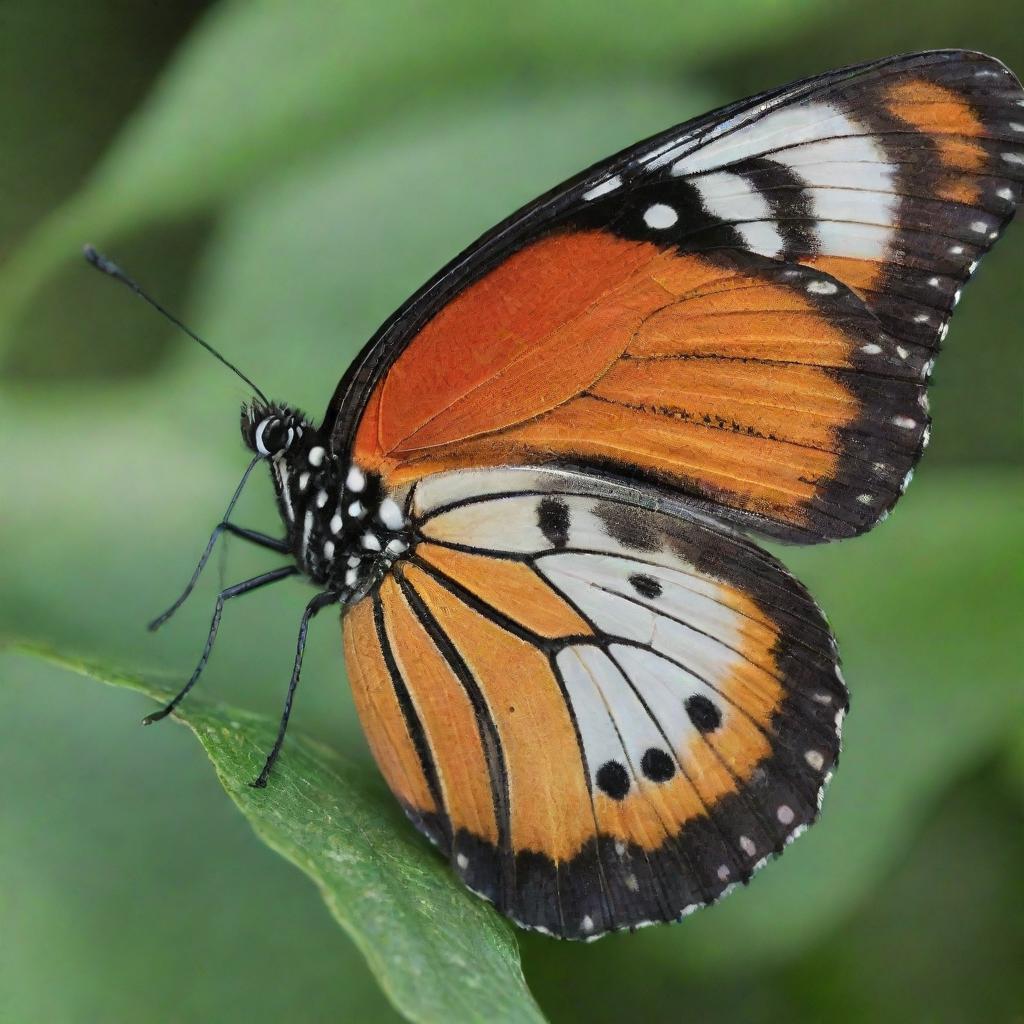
x: 532, y: 492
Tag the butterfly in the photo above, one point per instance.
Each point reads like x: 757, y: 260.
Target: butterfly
x: 534, y: 492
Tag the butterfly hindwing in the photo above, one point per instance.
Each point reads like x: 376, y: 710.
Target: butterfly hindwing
x: 745, y: 309
x: 604, y: 713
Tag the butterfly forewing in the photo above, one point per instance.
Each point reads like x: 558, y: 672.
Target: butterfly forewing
x: 604, y: 714
x: 745, y: 309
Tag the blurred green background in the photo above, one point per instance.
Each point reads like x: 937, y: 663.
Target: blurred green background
x: 284, y: 174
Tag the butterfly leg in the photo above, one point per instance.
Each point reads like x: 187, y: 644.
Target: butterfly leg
x: 234, y: 591
x: 319, y: 602
x: 253, y: 536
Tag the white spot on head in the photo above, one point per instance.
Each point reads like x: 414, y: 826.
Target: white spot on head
x: 632, y: 884
x: 1005, y: 193
x: 921, y: 318
x: 879, y: 467
x: 871, y: 349
x: 316, y: 456
x: 980, y: 226
x: 822, y: 288
x: 814, y: 759
x: 865, y: 499
x: 785, y: 814
x: 660, y: 216
x: 904, y: 422
x: 747, y: 846
x: 723, y: 873
x: 935, y: 282
x: 370, y: 542
x: 587, y: 924
x: 328, y: 549
x: 462, y: 860
x: 823, y: 698
x: 355, y: 481
x: 337, y: 523
x: 321, y: 499
x: 390, y: 514
x: 956, y: 250
x: 609, y: 185
x: 901, y: 352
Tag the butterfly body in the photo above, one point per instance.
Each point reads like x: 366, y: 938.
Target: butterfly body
x: 534, y: 490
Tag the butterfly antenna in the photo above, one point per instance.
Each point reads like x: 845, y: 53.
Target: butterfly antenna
x: 111, y: 269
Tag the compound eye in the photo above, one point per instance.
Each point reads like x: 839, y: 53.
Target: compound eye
x: 272, y: 436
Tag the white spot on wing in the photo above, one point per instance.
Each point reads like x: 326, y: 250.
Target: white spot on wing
x: 733, y: 199
x: 660, y: 216
x: 822, y: 288
x: 316, y: 456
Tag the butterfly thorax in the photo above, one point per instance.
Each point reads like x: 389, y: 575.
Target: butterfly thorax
x: 343, y: 530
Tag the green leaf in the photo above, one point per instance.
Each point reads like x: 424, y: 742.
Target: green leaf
x: 440, y: 953
x: 262, y: 85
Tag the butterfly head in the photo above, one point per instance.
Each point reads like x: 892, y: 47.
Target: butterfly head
x: 271, y: 428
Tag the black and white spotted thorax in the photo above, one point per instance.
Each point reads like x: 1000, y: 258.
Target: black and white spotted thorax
x: 343, y: 529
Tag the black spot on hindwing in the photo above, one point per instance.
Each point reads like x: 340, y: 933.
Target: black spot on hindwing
x: 657, y: 765
x: 703, y: 713
x: 644, y: 585
x: 613, y: 779
x: 553, y: 520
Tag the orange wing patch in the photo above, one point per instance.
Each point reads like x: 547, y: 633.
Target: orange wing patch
x: 447, y: 716
x: 936, y: 110
x: 485, y: 360
x: 380, y: 713
x: 549, y: 804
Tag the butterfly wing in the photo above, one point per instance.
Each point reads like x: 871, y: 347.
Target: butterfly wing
x: 745, y: 309
x: 603, y: 707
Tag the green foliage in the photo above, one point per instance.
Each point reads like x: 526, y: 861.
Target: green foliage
x: 440, y: 954
x: 277, y: 83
